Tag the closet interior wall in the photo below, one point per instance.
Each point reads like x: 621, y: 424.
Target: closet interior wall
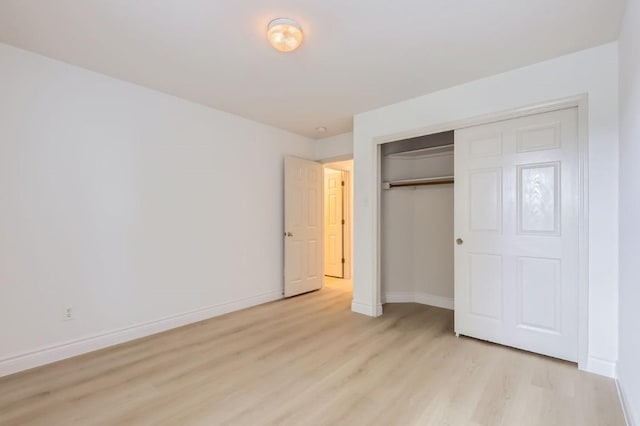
x: 417, y: 227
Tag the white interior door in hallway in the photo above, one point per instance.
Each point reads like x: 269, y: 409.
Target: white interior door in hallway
x: 334, y: 223
x: 303, y: 227
x: 517, y: 229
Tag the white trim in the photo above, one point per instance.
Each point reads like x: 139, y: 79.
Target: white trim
x: 398, y: 297
x: 335, y: 159
x: 418, y: 297
x: 28, y: 360
x: 347, y: 208
x: 377, y: 225
x: 600, y: 366
x: 364, y: 309
x: 579, y: 101
x: 347, y: 205
x: 553, y: 105
x: 626, y: 408
x: 583, y: 233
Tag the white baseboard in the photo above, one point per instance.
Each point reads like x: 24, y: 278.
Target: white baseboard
x: 423, y: 298
x: 600, y: 366
x: 629, y: 415
x: 398, y: 297
x: 365, y: 309
x: 25, y: 361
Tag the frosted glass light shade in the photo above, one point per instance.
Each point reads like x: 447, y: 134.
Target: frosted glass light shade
x: 284, y: 34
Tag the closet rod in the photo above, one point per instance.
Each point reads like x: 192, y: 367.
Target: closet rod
x: 443, y: 180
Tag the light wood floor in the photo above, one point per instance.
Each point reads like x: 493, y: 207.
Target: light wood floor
x: 307, y: 361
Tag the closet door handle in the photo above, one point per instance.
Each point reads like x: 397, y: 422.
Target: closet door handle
x: 459, y: 241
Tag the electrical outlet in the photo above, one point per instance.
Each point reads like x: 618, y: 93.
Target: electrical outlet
x: 68, y: 313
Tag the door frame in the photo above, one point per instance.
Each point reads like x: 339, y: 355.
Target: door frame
x: 580, y: 102
x: 348, y: 206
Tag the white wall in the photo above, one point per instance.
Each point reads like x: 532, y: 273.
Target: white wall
x: 417, y: 232
x: 629, y: 363
x: 337, y: 147
x: 593, y: 72
x: 130, y: 205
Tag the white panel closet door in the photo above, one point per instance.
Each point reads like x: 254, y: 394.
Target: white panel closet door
x: 516, y: 220
x: 333, y: 223
x: 303, y: 248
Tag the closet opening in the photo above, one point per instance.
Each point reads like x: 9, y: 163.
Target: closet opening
x: 338, y: 223
x: 508, y: 243
x: 417, y: 220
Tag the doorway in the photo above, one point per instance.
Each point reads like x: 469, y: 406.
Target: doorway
x: 338, y: 222
x: 305, y: 269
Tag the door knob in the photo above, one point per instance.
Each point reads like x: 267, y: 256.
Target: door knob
x: 459, y: 241
x: 289, y: 234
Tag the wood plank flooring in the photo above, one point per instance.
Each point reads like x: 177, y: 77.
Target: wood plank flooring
x: 311, y: 361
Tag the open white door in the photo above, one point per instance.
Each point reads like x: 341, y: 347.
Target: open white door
x: 303, y: 230
x: 516, y: 224
x: 334, y: 223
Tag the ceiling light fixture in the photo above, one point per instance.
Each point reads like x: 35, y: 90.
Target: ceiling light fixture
x: 284, y: 34
x: 321, y: 129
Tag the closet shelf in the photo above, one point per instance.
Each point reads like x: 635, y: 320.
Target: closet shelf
x: 440, y: 180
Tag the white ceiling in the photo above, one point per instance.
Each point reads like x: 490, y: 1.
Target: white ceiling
x: 357, y: 55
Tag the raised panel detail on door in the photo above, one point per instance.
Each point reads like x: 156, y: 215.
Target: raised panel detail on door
x: 313, y: 209
x: 539, y: 291
x: 536, y: 138
x: 303, y: 225
x: 487, y: 146
x: 539, y: 198
x: 313, y: 254
x: 331, y: 242
x: 332, y: 208
x: 485, y: 200
x: 333, y: 223
x: 296, y: 207
x: 297, y: 261
x: 485, y: 276
x: 517, y: 260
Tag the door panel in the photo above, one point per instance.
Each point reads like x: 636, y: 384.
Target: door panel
x: 538, y: 198
x: 539, y: 137
x: 334, y: 228
x: 485, y: 200
x: 539, y: 294
x: 303, y: 253
x: 516, y: 280
x: 486, y: 146
x: 485, y: 276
